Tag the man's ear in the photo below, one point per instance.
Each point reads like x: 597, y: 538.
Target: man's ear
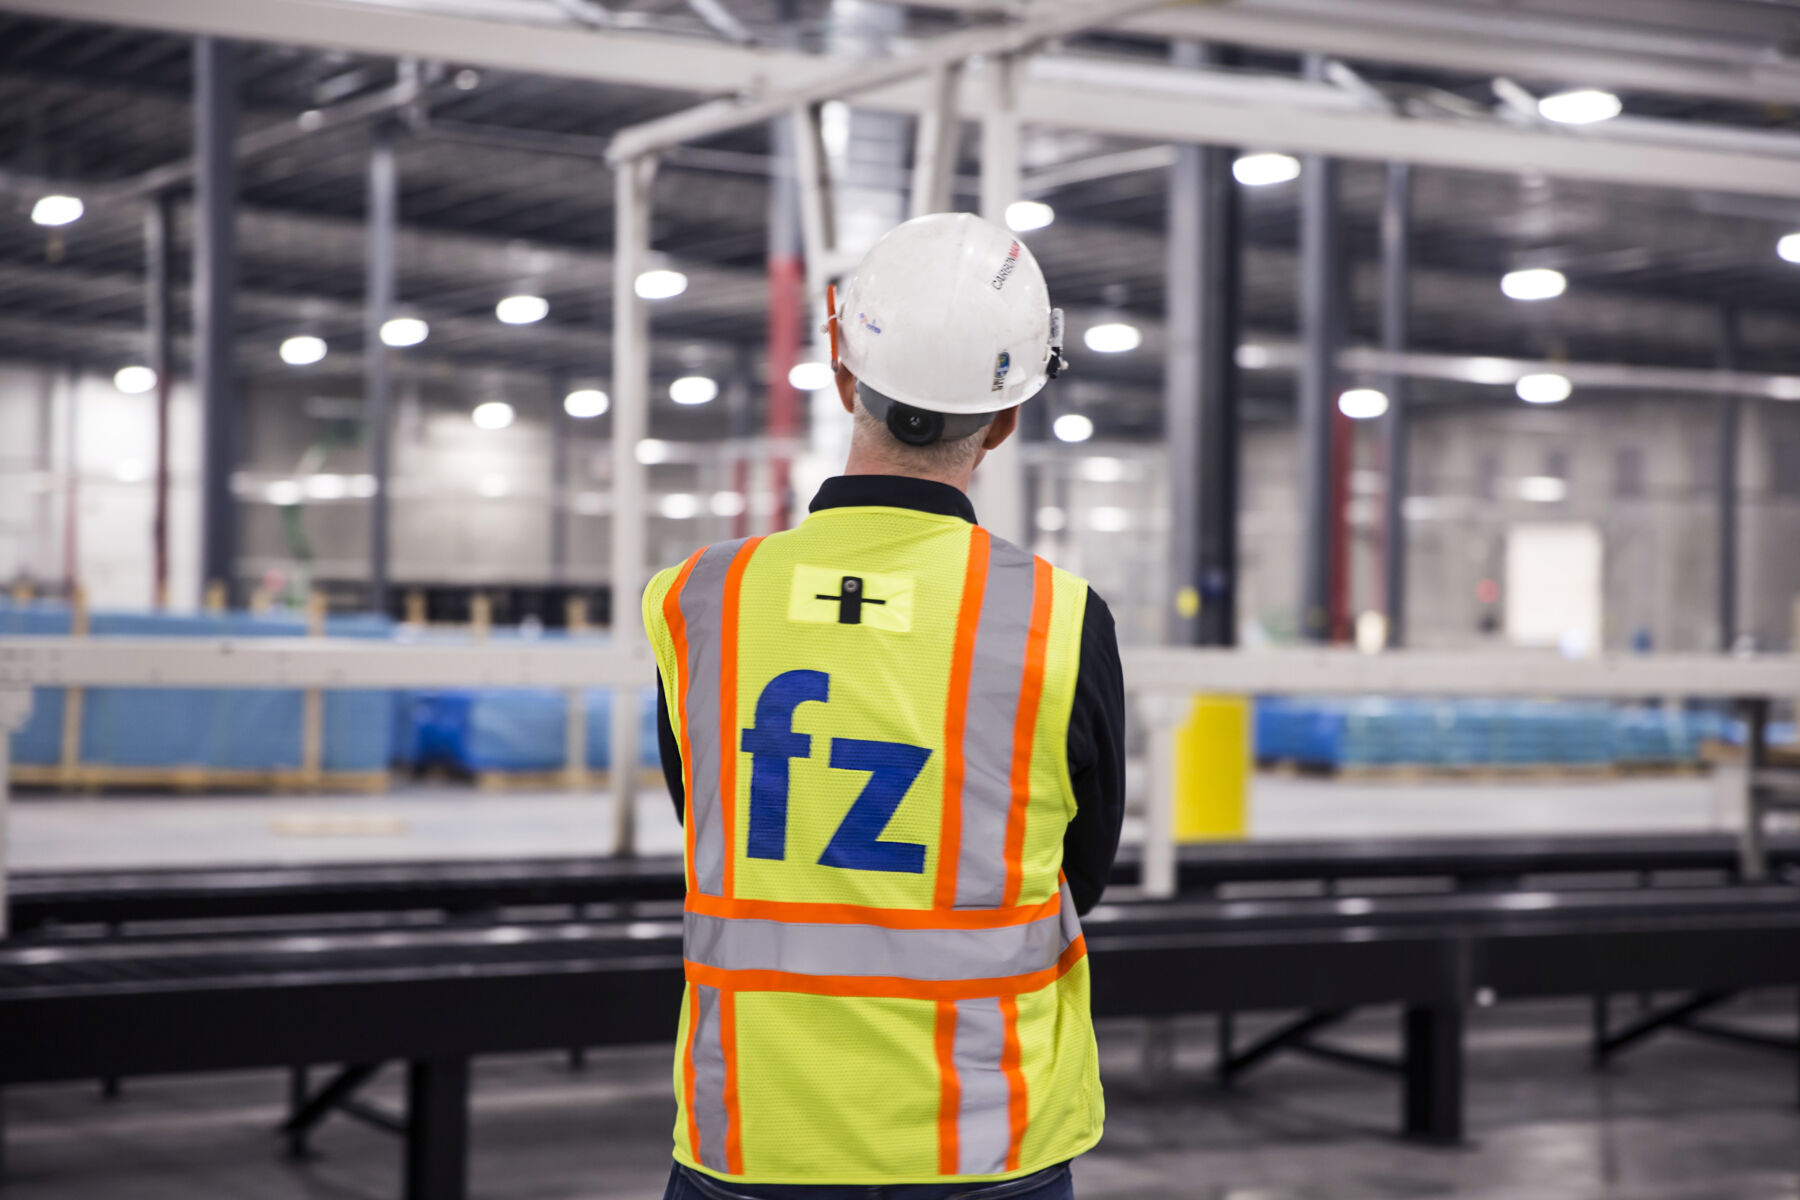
x: 846, y: 388
x: 1001, y: 427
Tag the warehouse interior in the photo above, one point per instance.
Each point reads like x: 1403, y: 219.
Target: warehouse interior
x: 1432, y: 431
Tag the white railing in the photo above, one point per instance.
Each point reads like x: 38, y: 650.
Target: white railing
x: 1159, y: 675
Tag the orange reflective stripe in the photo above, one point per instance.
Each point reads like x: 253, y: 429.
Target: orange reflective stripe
x: 687, y: 1072
x: 734, y: 1136
x: 728, y: 742
x: 884, y: 986
x: 1031, y: 690
x: 955, y: 712
x: 802, y: 912
x: 949, y: 1088
x: 1017, y: 1103
x: 677, y: 623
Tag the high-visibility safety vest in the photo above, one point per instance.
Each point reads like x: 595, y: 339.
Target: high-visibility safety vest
x: 886, y: 979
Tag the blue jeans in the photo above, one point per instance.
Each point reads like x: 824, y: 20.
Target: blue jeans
x: 1052, y: 1183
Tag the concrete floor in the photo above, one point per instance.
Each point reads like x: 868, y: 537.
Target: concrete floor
x: 1676, y: 1120
x: 51, y: 832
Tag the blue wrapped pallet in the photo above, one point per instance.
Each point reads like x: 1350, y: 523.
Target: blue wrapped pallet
x: 39, y: 741
x: 1332, y: 733
x: 476, y: 730
x: 244, y: 729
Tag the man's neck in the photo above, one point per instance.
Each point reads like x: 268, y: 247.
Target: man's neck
x: 864, y: 463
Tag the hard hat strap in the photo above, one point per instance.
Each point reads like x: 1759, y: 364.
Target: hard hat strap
x: 831, y: 322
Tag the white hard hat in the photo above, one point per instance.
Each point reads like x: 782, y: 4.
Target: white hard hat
x: 949, y: 314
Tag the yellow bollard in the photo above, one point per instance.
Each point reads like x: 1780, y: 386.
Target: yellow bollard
x: 1212, y: 770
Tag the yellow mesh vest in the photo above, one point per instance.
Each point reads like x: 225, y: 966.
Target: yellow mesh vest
x: 886, y: 981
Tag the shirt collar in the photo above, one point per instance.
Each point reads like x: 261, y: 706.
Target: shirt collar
x: 893, y: 491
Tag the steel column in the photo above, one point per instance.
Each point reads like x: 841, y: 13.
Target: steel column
x: 561, y: 435
x: 630, y: 417
x: 1000, y: 480
x: 159, y: 222
x: 215, y: 302
x: 1730, y: 420
x: 1201, y: 394
x: 935, y: 144
x: 437, y: 1129
x: 378, y: 306
x: 15, y: 706
x: 787, y: 313
x: 1432, y: 1101
x: 1321, y: 290
x: 1396, y: 300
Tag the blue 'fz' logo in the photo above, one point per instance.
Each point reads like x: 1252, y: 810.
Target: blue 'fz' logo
x: 772, y: 744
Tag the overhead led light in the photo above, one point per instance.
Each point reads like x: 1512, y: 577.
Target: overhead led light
x: 679, y: 506
x: 1785, y: 387
x: 727, y: 504
x: 1261, y: 170
x: 492, y: 414
x: 1543, y: 489
x: 302, y: 351
x: 493, y: 486
x: 583, y: 403
x: 651, y: 451
x: 1052, y: 519
x: 284, y: 492
x: 1585, y: 106
x: 694, y: 389
x: 1022, y: 216
x: 1115, y: 337
x: 810, y: 376
x: 1103, y: 468
x: 1789, y: 247
x: 522, y: 310
x: 1548, y: 388
x: 468, y: 79
x: 1105, y: 519
x: 363, y: 486
x: 1489, y: 370
x: 1252, y: 357
x: 660, y: 285
x: 404, y: 331
x: 1534, y: 283
x: 325, y: 487
x: 134, y: 381
x: 1072, y: 427
x: 1363, y: 404
x: 57, y: 210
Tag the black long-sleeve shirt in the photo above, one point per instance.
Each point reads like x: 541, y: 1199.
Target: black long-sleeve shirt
x: 1096, y: 746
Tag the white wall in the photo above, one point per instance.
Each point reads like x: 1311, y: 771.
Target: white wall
x: 104, y: 476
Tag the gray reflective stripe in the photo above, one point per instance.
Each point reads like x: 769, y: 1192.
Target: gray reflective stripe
x: 745, y: 944
x: 994, y: 678
x: 709, y: 1080
x: 702, y: 599
x: 983, y: 1125
x: 1071, y: 920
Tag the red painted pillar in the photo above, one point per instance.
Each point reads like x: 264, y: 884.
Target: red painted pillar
x: 1343, y: 457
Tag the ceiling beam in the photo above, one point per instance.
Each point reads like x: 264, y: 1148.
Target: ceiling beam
x: 1557, y: 50
x: 1143, y: 102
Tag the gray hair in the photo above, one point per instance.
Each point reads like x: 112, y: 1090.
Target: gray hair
x: 949, y: 455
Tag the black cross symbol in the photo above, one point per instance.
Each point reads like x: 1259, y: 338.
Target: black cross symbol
x: 850, y: 600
